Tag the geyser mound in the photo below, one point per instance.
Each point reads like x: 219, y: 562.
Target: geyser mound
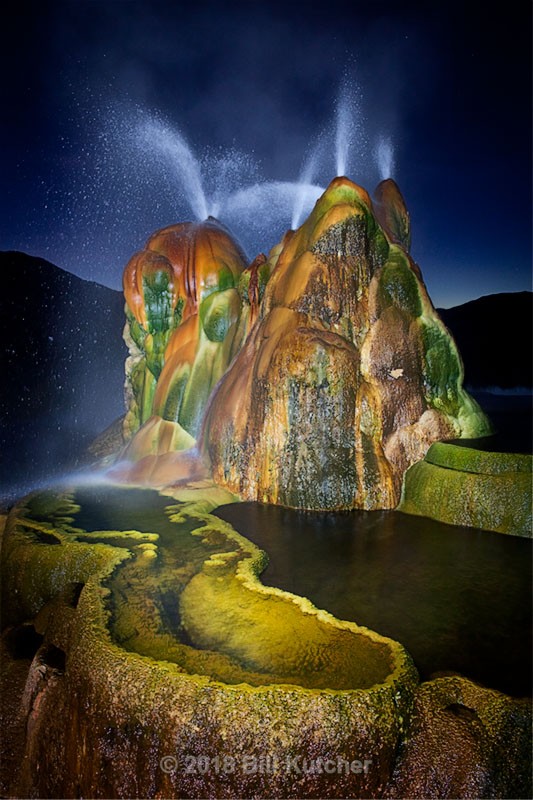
x: 190, y: 301
x: 333, y: 371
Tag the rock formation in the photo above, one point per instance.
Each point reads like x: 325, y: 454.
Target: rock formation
x: 465, y: 486
x: 348, y: 375
x: 391, y: 213
x: 189, y: 302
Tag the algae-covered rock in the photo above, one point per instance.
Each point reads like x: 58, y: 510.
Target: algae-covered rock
x: 391, y: 212
x: 348, y: 375
x: 185, y: 322
x: 464, y: 486
x: 464, y: 741
x: 182, y: 675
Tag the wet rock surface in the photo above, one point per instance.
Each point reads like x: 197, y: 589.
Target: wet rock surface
x: 348, y: 375
x: 143, y: 724
x: 187, y: 311
x: 471, y: 487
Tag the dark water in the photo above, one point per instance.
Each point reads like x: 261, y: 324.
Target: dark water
x: 122, y: 509
x: 458, y: 599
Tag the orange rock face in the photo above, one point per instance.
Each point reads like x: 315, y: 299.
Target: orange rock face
x: 391, y: 213
x: 185, y: 321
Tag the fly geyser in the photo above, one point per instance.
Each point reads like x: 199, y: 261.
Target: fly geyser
x: 324, y: 371
x: 186, y: 319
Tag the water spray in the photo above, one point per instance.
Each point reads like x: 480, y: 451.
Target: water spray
x: 384, y: 156
x: 172, y: 146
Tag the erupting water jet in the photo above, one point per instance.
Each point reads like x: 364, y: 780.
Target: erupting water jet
x: 384, y: 155
x: 349, y: 130
x: 228, y: 185
x: 169, y: 144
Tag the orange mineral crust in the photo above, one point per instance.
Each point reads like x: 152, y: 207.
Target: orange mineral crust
x: 186, y: 321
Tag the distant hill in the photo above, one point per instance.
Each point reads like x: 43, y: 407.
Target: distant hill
x: 494, y: 336
x: 62, y: 366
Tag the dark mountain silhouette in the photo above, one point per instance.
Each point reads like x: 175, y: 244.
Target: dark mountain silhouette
x: 62, y: 367
x: 494, y: 336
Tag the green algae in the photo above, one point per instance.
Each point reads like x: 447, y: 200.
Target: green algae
x: 442, y: 374
x: 321, y: 471
x: 345, y: 311
x: 219, y: 312
x: 468, y: 459
x: 262, y: 689
x: 141, y: 383
x: 190, y: 385
x: 464, y: 486
x: 442, y: 369
x: 171, y: 407
x: 56, y: 507
x: 130, y: 709
x: 398, y: 285
x: 310, y: 647
x: 157, y: 294
x: 42, y: 569
x: 218, y: 568
x: 263, y: 275
x: 136, y: 330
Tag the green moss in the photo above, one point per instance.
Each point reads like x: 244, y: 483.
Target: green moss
x: 398, y: 285
x: 495, y: 501
x: 468, y: 459
x: 442, y: 368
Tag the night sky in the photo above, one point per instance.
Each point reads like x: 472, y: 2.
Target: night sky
x: 101, y: 99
